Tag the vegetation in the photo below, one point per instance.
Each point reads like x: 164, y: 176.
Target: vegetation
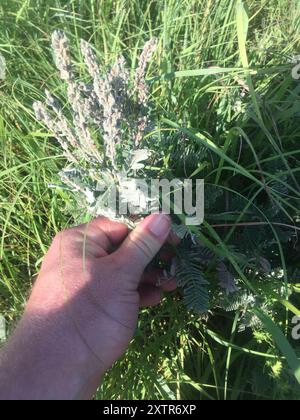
x: 225, y: 103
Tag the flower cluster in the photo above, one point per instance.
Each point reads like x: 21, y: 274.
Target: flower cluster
x: 108, y: 115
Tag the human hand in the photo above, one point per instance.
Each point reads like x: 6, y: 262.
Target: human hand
x: 83, y: 310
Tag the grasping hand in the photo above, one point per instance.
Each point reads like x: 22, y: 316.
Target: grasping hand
x: 83, y: 310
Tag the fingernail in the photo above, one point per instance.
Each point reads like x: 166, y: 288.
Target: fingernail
x: 158, y: 224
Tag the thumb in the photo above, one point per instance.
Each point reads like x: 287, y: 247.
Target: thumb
x: 143, y: 243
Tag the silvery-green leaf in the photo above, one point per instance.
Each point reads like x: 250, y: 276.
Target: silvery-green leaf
x: 135, y: 194
x: 137, y: 157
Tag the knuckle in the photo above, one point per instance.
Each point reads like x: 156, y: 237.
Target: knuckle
x: 63, y: 235
x: 67, y: 244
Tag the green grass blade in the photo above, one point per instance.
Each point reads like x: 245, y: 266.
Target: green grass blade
x: 281, y: 341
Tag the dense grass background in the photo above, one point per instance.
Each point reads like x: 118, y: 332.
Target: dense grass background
x: 174, y: 354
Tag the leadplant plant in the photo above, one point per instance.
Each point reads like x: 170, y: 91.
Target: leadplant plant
x: 102, y: 141
x: 107, y: 135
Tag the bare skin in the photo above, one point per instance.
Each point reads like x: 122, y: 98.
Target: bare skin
x: 83, y: 309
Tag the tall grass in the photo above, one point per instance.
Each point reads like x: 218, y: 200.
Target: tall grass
x: 174, y: 354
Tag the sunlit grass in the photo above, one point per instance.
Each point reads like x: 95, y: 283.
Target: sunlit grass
x: 246, y: 115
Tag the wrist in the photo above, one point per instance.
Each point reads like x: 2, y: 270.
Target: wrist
x: 54, y: 362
